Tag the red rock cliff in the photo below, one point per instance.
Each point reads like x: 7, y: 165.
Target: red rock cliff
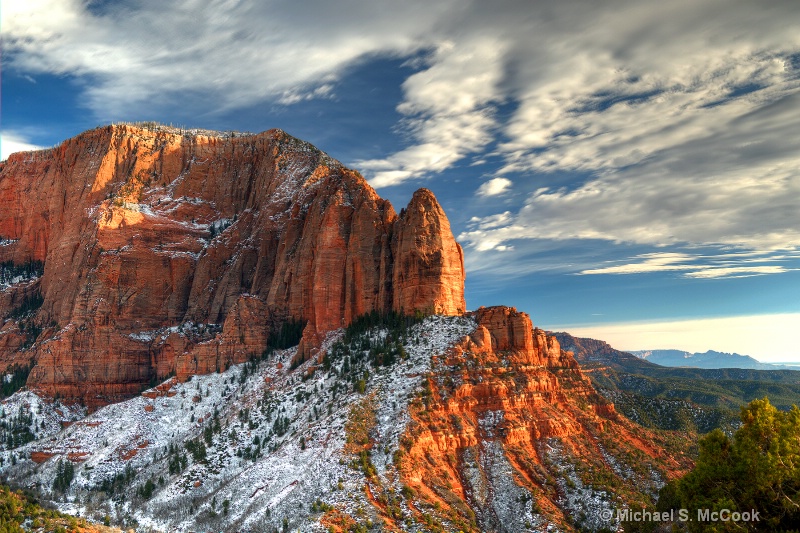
x: 220, y: 238
x: 507, y: 403
x: 429, y: 263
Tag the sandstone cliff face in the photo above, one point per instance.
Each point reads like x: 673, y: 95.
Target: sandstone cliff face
x: 507, y: 403
x: 429, y: 264
x: 220, y: 238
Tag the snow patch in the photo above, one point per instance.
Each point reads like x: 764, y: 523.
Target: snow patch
x: 266, y: 438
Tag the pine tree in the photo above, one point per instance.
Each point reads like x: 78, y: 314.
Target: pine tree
x: 758, y: 469
x: 65, y: 472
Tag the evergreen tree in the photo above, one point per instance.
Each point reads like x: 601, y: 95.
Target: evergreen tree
x: 756, y: 470
x: 65, y: 472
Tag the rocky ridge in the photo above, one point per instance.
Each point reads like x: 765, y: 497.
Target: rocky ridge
x: 512, y: 430
x: 168, y: 252
x: 285, y: 297
x: 482, y: 423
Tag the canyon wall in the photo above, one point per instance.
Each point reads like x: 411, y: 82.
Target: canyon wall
x: 508, y: 428
x: 173, y: 252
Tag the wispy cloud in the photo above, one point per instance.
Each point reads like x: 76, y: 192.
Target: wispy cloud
x: 701, y: 266
x: 737, y: 272
x: 11, y: 142
x: 646, y: 263
x: 449, y: 110
x: 495, y: 187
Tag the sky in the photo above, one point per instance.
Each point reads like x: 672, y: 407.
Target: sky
x: 625, y: 169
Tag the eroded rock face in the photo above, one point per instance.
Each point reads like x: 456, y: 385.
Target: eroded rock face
x: 221, y: 238
x: 429, y: 263
x: 507, y: 403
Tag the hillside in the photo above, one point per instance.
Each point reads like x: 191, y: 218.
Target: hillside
x: 478, y: 423
x: 20, y: 512
x: 682, y: 398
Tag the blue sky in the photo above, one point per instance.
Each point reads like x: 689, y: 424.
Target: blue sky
x: 611, y: 168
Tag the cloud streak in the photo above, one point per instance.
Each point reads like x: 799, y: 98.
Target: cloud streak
x: 11, y: 142
x: 495, y: 187
x: 701, y: 266
x: 678, y: 120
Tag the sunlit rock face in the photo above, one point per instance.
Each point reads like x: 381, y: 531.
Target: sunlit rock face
x: 509, y: 433
x: 429, y: 263
x: 477, y: 423
x: 167, y: 251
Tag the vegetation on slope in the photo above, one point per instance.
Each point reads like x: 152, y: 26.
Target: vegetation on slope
x: 755, y: 471
x: 11, y: 272
x: 19, y: 512
x: 287, y: 335
x: 692, y: 404
x: 15, y: 378
x: 356, y: 347
x: 683, y: 399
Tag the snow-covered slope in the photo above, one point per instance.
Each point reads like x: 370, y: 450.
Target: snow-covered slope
x: 26, y: 417
x: 476, y: 423
x: 257, y: 447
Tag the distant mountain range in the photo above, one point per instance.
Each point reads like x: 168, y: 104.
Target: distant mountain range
x: 680, y: 398
x: 709, y: 359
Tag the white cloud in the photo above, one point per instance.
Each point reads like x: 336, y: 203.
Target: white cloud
x: 293, y: 96
x: 738, y: 272
x: 493, y: 221
x: 654, y: 262
x: 681, y: 117
x: 449, y: 110
x: 229, y: 52
x: 701, y: 266
x: 495, y: 187
x: 488, y: 233
x: 769, y: 338
x: 11, y: 142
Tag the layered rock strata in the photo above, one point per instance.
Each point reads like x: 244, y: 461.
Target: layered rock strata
x: 170, y: 252
x: 507, y: 403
